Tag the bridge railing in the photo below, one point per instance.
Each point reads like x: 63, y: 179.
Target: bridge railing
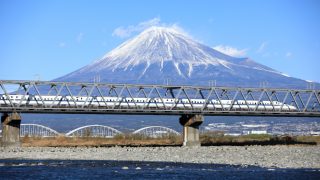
x: 94, y: 131
x: 37, y: 130
x: 156, y: 131
x: 101, y: 131
x: 71, y: 97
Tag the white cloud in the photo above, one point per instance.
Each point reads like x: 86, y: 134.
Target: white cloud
x: 62, y: 44
x: 231, y: 51
x: 80, y: 37
x: 288, y: 54
x: 124, y: 32
x: 121, y: 32
x: 262, y: 47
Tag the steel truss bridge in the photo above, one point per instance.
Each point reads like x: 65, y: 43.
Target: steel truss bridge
x: 306, y: 102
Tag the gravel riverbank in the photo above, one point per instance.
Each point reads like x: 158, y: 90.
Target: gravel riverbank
x: 264, y: 156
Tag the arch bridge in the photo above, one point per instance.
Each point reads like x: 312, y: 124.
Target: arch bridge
x: 94, y: 131
x: 37, y: 130
x: 156, y: 131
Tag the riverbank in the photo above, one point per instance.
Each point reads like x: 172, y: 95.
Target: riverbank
x: 142, y: 141
x: 279, y: 156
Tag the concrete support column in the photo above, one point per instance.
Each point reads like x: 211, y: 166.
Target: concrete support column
x: 11, y: 130
x: 191, y: 125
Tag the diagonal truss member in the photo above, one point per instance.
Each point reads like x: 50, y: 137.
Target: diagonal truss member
x: 104, y: 98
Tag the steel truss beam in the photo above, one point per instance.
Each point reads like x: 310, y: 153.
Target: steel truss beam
x: 104, y: 98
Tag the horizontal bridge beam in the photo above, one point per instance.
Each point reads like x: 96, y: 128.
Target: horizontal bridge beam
x: 173, y: 87
x: 105, y: 98
x: 160, y: 112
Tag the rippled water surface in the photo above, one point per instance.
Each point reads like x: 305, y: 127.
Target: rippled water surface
x: 64, y: 169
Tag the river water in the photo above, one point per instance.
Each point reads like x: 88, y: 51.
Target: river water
x: 66, y: 169
x: 79, y: 169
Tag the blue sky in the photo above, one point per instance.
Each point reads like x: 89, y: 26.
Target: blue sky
x: 48, y: 39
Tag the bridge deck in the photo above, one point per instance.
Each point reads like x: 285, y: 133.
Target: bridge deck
x: 157, y: 112
x: 102, y: 98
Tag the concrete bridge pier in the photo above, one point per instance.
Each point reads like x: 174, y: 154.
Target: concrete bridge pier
x: 191, y: 125
x: 10, y: 130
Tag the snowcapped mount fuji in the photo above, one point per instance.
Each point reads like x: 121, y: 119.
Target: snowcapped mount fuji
x: 160, y: 54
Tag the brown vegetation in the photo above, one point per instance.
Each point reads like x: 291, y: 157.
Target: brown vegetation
x: 207, y: 139
x: 218, y: 138
x: 119, y: 140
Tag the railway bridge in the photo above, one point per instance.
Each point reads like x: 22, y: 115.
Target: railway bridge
x: 191, y: 103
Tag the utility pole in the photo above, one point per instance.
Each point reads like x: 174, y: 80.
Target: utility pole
x: 213, y: 83
x: 96, y: 79
x: 167, y: 81
x: 264, y: 84
x: 310, y: 85
x: 37, y: 77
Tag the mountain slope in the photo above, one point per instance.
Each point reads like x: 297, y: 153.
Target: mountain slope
x: 160, y: 54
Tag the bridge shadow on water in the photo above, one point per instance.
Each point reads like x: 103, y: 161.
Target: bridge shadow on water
x: 89, y: 169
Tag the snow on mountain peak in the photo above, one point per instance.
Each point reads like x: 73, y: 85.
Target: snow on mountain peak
x: 159, y: 30
x: 161, y: 53
x: 160, y: 45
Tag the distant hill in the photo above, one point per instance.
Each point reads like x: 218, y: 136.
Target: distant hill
x: 159, y: 55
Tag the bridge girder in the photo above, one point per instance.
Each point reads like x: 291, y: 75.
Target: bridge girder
x: 185, y: 99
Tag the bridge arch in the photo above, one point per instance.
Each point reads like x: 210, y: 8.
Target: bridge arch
x: 156, y: 131
x: 37, y: 130
x: 94, y: 131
